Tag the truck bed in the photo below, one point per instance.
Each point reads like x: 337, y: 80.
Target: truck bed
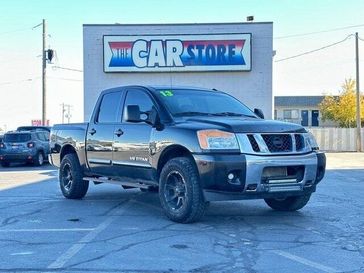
x: 72, y: 134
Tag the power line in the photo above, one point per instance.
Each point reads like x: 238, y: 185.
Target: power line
x: 65, y: 79
x: 14, y: 31
x: 14, y: 82
x: 67, y: 68
x: 314, y: 50
x: 317, y: 32
x: 19, y: 30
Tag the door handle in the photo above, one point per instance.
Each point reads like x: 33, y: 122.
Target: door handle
x: 119, y: 132
x: 92, y: 131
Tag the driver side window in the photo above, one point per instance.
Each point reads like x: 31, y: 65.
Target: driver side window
x: 140, y: 98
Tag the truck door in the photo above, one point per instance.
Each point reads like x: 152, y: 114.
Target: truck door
x: 131, y: 146
x: 100, y: 133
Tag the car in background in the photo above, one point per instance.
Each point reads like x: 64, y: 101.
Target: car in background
x: 24, y: 147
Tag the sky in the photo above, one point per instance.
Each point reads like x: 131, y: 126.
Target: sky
x: 321, y: 72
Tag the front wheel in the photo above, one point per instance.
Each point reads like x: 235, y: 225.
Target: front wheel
x: 71, y: 178
x: 180, y: 192
x: 288, y: 204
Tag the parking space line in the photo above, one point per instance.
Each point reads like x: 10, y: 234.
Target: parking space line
x: 305, y: 261
x: 74, y: 249
x: 47, y: 230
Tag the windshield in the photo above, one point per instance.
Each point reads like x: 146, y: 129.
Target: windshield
x: 188, y: 102
x: 17, y: 137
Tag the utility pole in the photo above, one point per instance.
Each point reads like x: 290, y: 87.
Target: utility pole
x: 358, y: 120
x: 63, y: 110
x: 44, y: 71
x: 68, y: 113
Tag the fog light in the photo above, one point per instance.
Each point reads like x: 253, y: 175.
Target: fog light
x: 30, y: 157
x: 231, y: 176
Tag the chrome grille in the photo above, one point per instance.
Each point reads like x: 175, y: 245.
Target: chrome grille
x: 254, y: 143
x: 275, y: 143
x: 300, y: 142
x: 278, y: 143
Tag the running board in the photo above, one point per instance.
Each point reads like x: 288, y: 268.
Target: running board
x: 117, y: 182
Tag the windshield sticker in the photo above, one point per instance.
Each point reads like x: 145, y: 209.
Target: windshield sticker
x: 167, y: 93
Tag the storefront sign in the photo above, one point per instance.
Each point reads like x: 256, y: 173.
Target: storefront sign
x: 38, y: 122
x: 222, y: 52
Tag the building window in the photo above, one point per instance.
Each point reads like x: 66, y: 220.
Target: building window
x: 291, y: 114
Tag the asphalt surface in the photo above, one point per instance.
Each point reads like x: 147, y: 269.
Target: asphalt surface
x: 116, y: 230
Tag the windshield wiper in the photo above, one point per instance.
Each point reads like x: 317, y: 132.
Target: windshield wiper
x: 192, y: 113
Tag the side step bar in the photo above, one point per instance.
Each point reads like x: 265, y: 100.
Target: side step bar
x: 117, y: 182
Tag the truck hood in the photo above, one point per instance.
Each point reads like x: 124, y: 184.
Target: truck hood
x: 246, y: 125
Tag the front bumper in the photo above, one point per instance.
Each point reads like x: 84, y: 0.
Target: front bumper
x: 250, y: 179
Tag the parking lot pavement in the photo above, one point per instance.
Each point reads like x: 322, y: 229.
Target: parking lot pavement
x: 116, y: 230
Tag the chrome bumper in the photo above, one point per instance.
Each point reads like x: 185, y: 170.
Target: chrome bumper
x: 256, y: 164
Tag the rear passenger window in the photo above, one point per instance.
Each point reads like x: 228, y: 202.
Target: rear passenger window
x: 108, y: 111
x: 40, y: 136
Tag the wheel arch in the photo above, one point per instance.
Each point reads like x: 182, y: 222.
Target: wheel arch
x: 67, y: 149
x: 170, y: 152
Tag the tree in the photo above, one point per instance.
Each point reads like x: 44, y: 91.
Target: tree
x: 342, y: 109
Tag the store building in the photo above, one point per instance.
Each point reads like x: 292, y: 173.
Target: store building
x: 232, y: 57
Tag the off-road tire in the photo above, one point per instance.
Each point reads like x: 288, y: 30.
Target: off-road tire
x: 37, y: 160
x: 288, y: 204
x: 194, y: 205
x: 78, y: 187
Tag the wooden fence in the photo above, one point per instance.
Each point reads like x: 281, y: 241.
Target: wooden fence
x: 336, y: 139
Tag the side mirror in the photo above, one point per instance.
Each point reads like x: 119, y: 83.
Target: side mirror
x: 259, y: 113
x: 133, y: 113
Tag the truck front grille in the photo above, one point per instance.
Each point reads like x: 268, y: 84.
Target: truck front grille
x: 254, y: 143
x: 300, y: 142
x: 277, y: 143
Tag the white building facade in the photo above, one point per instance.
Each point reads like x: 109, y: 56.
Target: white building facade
x: 232, y: 57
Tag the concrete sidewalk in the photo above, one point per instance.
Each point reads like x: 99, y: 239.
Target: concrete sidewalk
x: 345, y: 160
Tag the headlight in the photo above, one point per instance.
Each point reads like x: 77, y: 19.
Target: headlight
x: 217, y: 140
x: 311, y: 141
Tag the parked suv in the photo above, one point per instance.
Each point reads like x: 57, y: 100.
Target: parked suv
x: 24, y: 146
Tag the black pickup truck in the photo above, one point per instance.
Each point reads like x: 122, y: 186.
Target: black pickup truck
x: 192, y: 145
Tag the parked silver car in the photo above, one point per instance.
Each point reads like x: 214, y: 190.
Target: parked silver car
x: 24, y: 147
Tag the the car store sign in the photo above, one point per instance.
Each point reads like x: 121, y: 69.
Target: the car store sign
x: 222, y: 52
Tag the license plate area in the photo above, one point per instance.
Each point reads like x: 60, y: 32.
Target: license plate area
x: 282, y: 174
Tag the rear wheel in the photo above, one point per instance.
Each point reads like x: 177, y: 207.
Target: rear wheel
x: 288, y: 204
x: 71, y: 178
x: 39, y: 159
x: 180, y: 192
